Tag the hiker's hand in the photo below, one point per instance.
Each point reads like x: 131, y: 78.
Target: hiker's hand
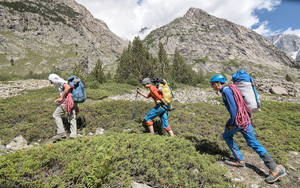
x: 139, y: 92
x: 58, y: 100
x: 230, y: 128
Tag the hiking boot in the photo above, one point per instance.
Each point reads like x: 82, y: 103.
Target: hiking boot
x: 240, y: 164
x: 59, y: 137
x: 275, y: 175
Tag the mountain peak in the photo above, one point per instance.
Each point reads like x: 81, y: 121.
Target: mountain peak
x: 288, y: 43
x: 201, y: 37
x: 195, y: 13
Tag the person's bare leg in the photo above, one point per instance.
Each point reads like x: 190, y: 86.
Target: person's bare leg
x: 171, y: 133
x: 151, y: 129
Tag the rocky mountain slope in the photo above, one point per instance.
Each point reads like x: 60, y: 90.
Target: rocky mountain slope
x: 290, y: 44
x: 39, y: 35
x: 57, y: 34
x: 216, y: 44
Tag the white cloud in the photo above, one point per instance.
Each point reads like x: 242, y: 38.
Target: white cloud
x: 126, y: 17
x: 293, y: 32
x: 265, y: 30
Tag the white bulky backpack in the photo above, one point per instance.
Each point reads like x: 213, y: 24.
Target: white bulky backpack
x: 246, y: 86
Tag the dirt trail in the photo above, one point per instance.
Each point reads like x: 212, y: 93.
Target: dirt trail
x: 255, y: 172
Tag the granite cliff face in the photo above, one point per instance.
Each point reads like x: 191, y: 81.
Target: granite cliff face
x: 39, y: 35
x: 216, y: 44
x: 290, y: 44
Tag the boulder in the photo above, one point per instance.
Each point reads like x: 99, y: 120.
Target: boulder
x: 279, y: 90
x: 17, y: 143
x: 138, y: 185
x: 99, y: 131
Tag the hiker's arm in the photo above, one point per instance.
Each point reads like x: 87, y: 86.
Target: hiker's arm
x: 232, y: 109
x: 144, y: 95
x: 64, y: 94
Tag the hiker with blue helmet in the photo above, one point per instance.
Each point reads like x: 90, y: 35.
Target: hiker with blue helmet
x: 231, y: 128
x: 159, y: 110
x: 63, y: 106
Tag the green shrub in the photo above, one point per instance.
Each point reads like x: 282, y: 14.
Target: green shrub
x: 132, y: 81
x: 96, y: 94
x: 113, y: 161
x: 92, y: 85
x: 288, y: 78
x: 154, y: 159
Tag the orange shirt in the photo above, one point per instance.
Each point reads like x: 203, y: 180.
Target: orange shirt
x: 155, y: 93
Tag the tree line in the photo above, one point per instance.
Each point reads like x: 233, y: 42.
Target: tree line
x: 136, y: 63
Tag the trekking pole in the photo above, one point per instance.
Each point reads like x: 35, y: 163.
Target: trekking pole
x: 134, y: 105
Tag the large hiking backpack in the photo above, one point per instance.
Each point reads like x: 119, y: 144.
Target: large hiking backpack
x: 246, y: 86
x: 78, y: 91
x: 165, y: 87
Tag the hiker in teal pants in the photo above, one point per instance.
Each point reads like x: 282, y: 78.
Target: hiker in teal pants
x: 217, y: 83
x: 160, y: 108
x: 161, y: 112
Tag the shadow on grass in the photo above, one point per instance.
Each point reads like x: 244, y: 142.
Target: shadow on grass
x: 205, y: 146
x: 156, y: 125
x: 81, y: 122
x: 257, y: 170
x: 252, y: 167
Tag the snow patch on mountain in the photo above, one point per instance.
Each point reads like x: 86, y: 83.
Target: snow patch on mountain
x: 277, y: 40
x: 295, y: 53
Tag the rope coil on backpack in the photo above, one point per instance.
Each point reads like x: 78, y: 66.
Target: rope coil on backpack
x: 243, y: 114
x: 69, y: 103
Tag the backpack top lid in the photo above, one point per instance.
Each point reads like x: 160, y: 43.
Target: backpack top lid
x: 73, y: 80
x: 70, y: 79
x: 156, y: 81
x: 241, y: 76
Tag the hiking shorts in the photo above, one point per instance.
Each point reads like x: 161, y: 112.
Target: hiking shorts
x: 160, y: 111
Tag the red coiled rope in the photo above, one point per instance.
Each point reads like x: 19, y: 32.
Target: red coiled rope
x: 243, y: 113
x: 69, y: 103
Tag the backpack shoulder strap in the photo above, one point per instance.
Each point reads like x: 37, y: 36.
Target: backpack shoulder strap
x: 223, y: 96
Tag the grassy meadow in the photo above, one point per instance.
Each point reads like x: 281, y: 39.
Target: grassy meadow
x: 127, y: 152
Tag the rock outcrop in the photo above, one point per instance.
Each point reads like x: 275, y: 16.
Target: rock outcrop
x: 40, y: 35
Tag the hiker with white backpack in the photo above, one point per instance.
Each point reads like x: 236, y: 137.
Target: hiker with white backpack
x: 67, y: 102
x: 240, y: 121
x: 160, y: 109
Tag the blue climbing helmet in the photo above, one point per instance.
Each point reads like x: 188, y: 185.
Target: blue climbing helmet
x: 218, y: 78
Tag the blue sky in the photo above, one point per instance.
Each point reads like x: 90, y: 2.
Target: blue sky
x: 126, y: 17
x: 284, y: 18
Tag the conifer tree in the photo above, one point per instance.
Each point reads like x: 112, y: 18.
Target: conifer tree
x: 143, y: 64
x: 135, y: 60
x: 125, y: 67
x: 12, y: 62
x: 179, y: 67
x: 98, y: 72
x: 181, y: 72
x: 78, y: 70
x: 163, y: 61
